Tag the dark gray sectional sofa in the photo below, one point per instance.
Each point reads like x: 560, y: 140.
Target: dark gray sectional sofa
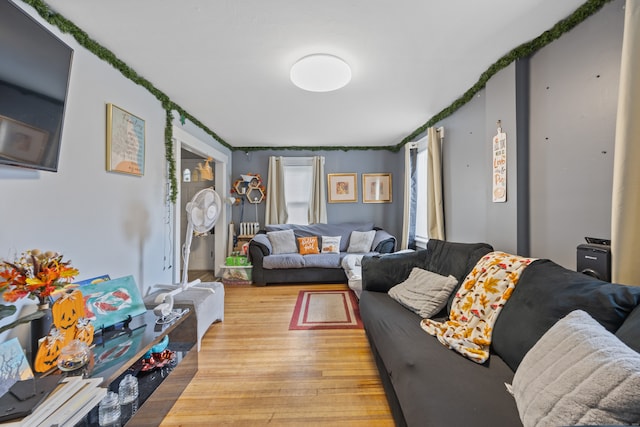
x: 320, y: 268
x: 429, y: 385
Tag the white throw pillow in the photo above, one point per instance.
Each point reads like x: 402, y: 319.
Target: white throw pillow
x: 283, y: 242
x: 578, y: 373
x: 331, y: 244
x: 424, y: 292
x: 360, y: 241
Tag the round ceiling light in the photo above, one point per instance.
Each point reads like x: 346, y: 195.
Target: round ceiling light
x: 320, y: 73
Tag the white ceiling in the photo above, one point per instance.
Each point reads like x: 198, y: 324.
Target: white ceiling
x: 227, y: 62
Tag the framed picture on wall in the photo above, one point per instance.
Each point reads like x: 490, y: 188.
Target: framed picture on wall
x: 342, y: 187
x: 125, y: 141
x: 376, y: 188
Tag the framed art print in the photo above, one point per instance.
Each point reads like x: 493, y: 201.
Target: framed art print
x: 125, y: 142
x: 342, y: 187
x: 376, y: 188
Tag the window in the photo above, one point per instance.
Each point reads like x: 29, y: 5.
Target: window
x: 422, y: 230
x: 298, y: 181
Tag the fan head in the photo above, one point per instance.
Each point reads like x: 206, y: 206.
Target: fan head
x: 203, y: 210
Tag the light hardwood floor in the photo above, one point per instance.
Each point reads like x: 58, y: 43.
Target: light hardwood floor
x: 254, y: 371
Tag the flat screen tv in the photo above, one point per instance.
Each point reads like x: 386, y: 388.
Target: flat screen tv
x: 34, y: 78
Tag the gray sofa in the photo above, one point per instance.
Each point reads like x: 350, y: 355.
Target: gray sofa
x: 316, y: 268
x: 428, y: 384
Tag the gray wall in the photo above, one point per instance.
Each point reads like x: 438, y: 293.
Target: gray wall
x: 574, y: 93
x: 470, y: 214
x: 572, y: 102
x: 565, y: 154
x: 385, y: 215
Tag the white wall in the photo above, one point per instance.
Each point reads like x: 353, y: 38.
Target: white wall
x: 104, y: 222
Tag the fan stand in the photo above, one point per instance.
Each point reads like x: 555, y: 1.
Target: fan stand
x: 165, y: 299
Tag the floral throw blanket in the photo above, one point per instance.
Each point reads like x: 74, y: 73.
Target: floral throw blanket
x: 477, y: 304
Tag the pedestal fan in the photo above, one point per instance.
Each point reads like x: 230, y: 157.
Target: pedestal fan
x: 202, y: 213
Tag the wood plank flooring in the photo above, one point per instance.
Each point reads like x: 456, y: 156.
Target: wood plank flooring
x: 254, y: 371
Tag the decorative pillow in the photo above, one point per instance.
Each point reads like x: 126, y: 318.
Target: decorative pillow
x: 424, y: 292
x: 308, y: 245
x: 331, y: 244
x: 360, y: 241
x: 578, y: 373
x: 283, y: 242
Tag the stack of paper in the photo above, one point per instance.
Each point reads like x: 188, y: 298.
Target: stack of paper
x: 67, y: 405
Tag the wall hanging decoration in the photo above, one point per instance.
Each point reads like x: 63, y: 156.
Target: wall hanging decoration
x: 499, y: 165
x: 342, y: 187
x: 376, y: 188
x: 125, y: 142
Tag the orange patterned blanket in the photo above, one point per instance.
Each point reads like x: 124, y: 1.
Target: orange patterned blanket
x: 477, y: 305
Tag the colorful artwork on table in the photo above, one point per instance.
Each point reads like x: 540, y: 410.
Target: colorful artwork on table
x: 93, y: 280
x: 112, y: 301
x: 112, y: 351
x: 14, y: 365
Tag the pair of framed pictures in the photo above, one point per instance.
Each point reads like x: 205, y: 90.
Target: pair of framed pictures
x: 343, y: 187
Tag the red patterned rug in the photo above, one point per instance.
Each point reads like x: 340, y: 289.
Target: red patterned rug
x: 326, y: 310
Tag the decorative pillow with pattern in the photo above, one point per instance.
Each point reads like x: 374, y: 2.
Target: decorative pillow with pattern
x: 308, y: 245
x: 331, y: 244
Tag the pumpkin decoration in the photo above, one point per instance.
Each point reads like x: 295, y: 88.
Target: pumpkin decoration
x: 48, y: 351
x: 84, y: 331
x: 67, y: 310
x: 69, y: 323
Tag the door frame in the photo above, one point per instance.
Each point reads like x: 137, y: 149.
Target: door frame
x: 221, y: 161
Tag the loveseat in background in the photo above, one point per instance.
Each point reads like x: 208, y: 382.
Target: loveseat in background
x: 320, y: 268
x: 428, y: 384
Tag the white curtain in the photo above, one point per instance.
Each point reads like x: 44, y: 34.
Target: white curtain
x: 318, y: 202
x: 625, y: 225
x: 276, y: 207
x: 409, y: 210
x: 435, y: 203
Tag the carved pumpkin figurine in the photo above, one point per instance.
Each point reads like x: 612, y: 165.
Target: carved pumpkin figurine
x: 49, y: 350
x: 84, y: 331
x: 67, y: 310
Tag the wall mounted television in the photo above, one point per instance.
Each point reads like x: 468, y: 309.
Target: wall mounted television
x: 35, y: 67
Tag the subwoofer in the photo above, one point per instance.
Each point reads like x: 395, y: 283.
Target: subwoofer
x: 594, y: 260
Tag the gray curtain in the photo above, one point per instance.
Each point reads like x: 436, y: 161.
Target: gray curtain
x: 276, y: 207
x: 625, y: 226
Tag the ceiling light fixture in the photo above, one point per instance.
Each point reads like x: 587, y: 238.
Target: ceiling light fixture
x: 320, y: 73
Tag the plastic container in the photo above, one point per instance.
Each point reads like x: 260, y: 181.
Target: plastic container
x: 236, y: 274
x: 128, y: 389
x: 109, y: 410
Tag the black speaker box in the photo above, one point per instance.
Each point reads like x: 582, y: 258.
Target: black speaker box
x: 595, y: 260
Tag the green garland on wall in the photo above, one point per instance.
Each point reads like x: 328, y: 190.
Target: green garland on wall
x: 526, y: 49
x: 522, y: 51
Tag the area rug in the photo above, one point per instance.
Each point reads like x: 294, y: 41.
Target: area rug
x: 326, y: 310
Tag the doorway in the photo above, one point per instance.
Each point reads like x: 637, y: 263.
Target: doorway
x: 208, y: 251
